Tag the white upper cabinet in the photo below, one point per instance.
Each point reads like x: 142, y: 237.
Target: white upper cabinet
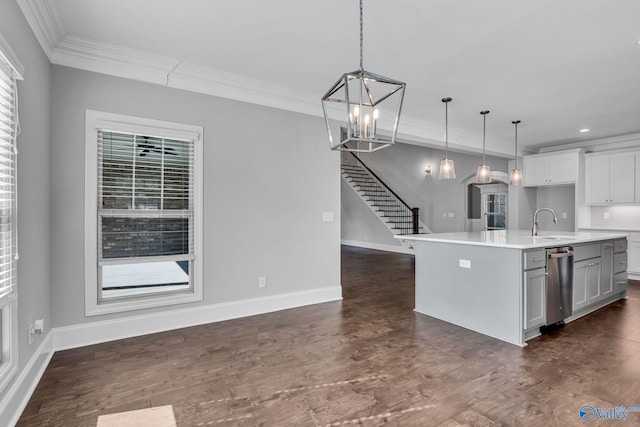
x: 559, y: 168
x: 610, y: 178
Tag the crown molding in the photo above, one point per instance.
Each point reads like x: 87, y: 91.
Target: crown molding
x: 208, y: 81
x: 45, y: 23
x: 119, y: 61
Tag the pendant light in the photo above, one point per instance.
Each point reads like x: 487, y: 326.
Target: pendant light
x: 447, y: 170
x: 483, y: 176
x: 365, y: 100
x: 516, y: 174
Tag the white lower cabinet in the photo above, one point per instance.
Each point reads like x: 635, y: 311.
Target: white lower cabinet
x: 535, y: 294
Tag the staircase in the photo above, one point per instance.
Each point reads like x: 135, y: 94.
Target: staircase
x: 383, y: 201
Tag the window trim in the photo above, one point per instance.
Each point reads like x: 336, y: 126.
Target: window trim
x: 9, y: 303
x: 123, y: 123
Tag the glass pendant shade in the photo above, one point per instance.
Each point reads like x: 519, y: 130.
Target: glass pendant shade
x: 363, y: 103
x: 483, y: 175
x: 516, y: 177
x: 516, y: 174
x: 447, y: 170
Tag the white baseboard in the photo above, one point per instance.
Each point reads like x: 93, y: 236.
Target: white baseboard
x: 20, y: 392
x: 108, y: 330
x: 378, y: 246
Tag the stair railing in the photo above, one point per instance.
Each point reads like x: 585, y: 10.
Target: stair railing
x: 415, y: 212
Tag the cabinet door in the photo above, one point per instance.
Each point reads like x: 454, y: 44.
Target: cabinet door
x: 596, y: 180
x: 622, y: 175
x: 580, y: 284
x: 535, y: 294
x: 593, y: 280
x: 562, y: 169
x: 535, y: 171
x: 634, y: 257
x: 607, y: 270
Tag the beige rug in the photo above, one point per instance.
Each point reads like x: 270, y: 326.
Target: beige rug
x: 160, y: 416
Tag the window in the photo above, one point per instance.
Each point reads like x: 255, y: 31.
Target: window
x: 9, y: 129
x: 143, y: 194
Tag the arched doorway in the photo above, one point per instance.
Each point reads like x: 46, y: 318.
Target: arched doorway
x: 486, y: 205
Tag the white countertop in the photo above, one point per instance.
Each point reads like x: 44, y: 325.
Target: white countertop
x: 621, y: 229
x: 516, y: 239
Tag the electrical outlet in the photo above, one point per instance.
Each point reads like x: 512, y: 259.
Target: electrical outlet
x: 38, y: 326
x: 451, y: 214
x: 32, y: 332
x: 605, y: 215
x: 564, y: 215
x: 327, y: 216
x: 262, y: 282
x: 465, y: 263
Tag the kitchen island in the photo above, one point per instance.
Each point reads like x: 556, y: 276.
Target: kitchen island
x: 494, y: 282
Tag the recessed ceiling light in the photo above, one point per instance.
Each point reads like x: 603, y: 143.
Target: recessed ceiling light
x: 584, y: 130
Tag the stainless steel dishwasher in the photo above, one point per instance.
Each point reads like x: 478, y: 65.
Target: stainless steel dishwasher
x: 559, y: 284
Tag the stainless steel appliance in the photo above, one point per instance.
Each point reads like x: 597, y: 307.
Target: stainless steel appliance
x: 559, y: 284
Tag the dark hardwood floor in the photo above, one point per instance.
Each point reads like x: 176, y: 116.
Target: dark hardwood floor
x: 368, y: 360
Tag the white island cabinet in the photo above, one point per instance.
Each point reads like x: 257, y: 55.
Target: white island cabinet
x: 495, y: 282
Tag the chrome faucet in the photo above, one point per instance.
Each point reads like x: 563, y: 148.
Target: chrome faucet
x: 536, y: 228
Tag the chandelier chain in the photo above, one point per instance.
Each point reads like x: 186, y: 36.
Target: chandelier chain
x: 361, y: 37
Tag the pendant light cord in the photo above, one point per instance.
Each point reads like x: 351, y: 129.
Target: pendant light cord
x: 484, y: 135
x: 361, y: 37
x: 446, y: 128
x: 515, y: 122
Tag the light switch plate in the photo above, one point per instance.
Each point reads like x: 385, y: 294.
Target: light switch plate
x: 465, y: 263
x: 327, y: 216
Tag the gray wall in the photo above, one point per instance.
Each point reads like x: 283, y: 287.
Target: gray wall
x: 402, y: 167
x: 268, y: 176
x: 561, y: 200
x: 33, y: 178
x: 358, y: 222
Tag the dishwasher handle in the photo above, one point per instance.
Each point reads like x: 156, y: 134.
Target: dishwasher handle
x: 560, y: 254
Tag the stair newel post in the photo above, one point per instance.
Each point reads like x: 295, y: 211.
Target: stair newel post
x: 416, y: 218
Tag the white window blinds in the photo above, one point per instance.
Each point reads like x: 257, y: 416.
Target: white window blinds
x: 8, y: 134
x: 145, y: 196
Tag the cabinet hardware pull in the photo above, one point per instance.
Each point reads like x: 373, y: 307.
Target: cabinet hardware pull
x: 537, y: 260
x: 621, y: 283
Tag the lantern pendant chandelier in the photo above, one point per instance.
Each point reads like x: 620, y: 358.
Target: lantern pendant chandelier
x: 483, y: 176
x: 366, y: 100
x: 516, y: 174
x: 447, y: 170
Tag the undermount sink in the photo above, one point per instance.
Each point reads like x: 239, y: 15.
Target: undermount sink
x: 554, y: 237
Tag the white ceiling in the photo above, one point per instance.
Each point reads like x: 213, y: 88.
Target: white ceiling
x: 559, y: 66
